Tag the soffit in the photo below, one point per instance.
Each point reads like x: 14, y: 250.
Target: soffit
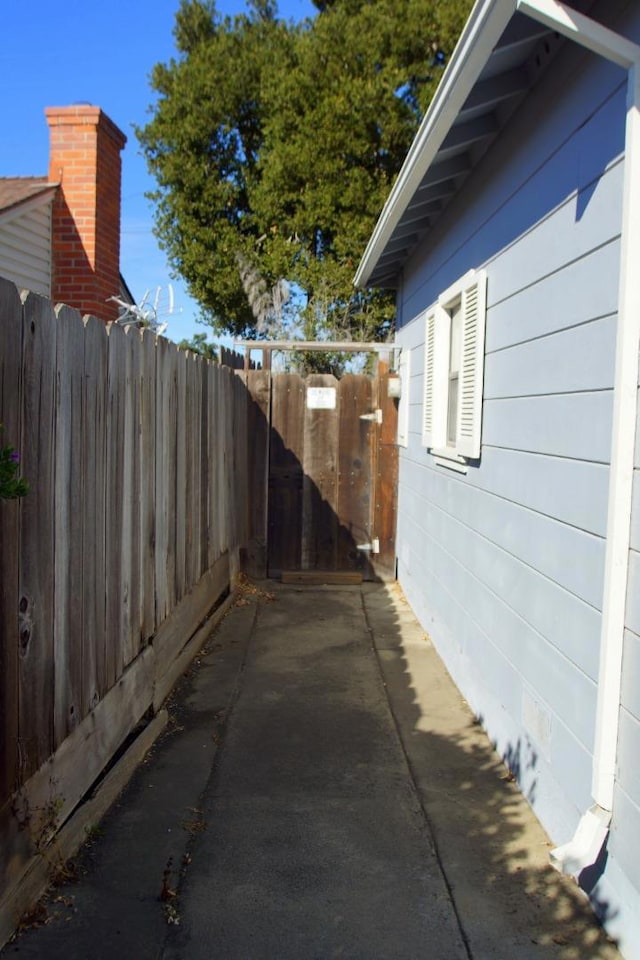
x: 483, y: 85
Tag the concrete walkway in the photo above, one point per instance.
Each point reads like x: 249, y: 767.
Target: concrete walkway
x: 323, y: 792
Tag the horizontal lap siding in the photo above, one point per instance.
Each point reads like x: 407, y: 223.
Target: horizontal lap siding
x: 25, y: 250
x: 556, y: 616
x: 493, y: 655
x: 545, y: 183
x: 577, y: 426
x: 505, y: 564
x: 624, y: 843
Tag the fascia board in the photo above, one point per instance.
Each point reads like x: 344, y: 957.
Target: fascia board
x: 483, y: 29
x: 583, y: 30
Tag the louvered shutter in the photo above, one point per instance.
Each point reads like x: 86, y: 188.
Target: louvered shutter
x: 429, y: 405
x: 472, y: 367
x: 404, y: 370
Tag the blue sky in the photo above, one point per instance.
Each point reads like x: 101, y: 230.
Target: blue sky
x: 56, y: 54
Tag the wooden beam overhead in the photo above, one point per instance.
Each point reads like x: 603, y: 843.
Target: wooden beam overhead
x: 328, y: 346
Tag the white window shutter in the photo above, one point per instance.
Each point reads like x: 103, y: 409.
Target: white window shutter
x: 474, y: 304
x: 404, y: 369
x: 429, y: 404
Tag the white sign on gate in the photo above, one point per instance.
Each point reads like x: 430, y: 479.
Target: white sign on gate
x: 321, y: 398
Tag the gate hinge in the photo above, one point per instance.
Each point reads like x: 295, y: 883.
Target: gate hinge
x: 376, y: 416
x: 373, y: 547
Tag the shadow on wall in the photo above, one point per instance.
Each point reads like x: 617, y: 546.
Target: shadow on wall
x: 76, y: 281
x: 497, y: 206
x: 511, y: 904
x: 304, y: 531
x: 322, y: 481
x: 513, y: 898
x: 520, y: 759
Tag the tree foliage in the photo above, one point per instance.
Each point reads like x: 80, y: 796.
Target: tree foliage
x: 274, y: 146
x: 200, y: 345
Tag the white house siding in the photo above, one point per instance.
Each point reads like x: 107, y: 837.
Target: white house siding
x: 25, y: 248
x: 505, y: 565
x: 621, y: 882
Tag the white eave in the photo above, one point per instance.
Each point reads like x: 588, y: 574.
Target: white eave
x: 497, y: 60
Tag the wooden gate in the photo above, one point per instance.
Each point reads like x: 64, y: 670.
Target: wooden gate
x: 332, y: 475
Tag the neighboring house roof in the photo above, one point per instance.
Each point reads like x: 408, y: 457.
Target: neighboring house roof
x: 125, y: 293
x: 26, y: 205
x: 498, y: 59
x: 17, y: 191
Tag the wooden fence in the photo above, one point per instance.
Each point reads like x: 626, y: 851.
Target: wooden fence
x: 137, y: 458
x: 235, y: 360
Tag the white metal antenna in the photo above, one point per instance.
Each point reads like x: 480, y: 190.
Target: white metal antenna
x: 145, y: 313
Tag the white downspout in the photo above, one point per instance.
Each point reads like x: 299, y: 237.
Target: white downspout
x: 583, y: 849
x: 622, y: 458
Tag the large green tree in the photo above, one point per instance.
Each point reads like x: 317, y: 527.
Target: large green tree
x: 274, y: 146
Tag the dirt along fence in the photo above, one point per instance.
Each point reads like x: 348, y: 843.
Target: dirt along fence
x: 113, y: 568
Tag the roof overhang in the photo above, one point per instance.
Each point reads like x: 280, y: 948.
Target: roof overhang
x: 19, y: 195
x: 498, y: 58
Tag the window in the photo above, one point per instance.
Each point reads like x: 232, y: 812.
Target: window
x: 454, y: 366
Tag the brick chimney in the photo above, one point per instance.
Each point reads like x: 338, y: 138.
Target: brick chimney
x: 84, y: 159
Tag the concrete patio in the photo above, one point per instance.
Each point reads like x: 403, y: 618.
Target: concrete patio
x: 322, y: 791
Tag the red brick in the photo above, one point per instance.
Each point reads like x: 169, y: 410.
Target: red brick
x: 85, y: 160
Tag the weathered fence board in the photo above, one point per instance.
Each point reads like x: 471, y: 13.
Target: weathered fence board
x: 111, y: 566
x: 190, y: 614
x: 148, y: 471
x: 213, y: 448
x: 222, y: 453
x: 162, y: 428
x: 69, y: 482
x: 130, y: 586
x: 37, y: 555
x: 115, y: 472
x: 51, y: 794
x: 92, y: 509
x: 205, y: 460
x: 10, y: 418
x: 286, y: 455
x: 332, y: 475
x: 386, y: 480
x: 181, y: 474
x: 169, y: 467
x: 319, y: 491
x: 355, y: 472
x: 240, y: 491
x: 20, y: 897
x: 192, y: 468
x: 148, y: 391
x: 258, y: 388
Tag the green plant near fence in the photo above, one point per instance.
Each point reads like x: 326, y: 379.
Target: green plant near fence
x: 12, y: 485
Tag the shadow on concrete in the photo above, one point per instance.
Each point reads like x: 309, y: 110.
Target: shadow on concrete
x: 322, y: 481
x: 493, y: 851
x: 170, y: 822
x: 124, y: 894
